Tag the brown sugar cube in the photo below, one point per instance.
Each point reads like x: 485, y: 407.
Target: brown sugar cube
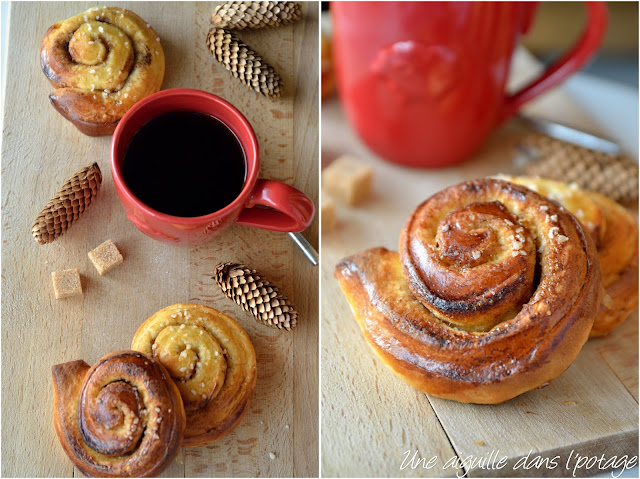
x: 348, y: 180
x: 105, y: 257
x: 66, y: 283
x: 327, y: 213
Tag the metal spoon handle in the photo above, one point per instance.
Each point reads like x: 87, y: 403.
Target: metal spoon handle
x: 571, y: 135
x: 308, y: 250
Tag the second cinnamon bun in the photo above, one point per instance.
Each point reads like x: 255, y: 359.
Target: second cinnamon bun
x: 615, y: 233
x: 211, y: 360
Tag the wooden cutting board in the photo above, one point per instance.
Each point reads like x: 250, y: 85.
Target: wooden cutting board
x: 40, y: 150
x: 371, y: 419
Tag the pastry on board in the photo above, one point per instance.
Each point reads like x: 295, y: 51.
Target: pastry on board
x: 493, y: 293
x: 211, y: 360
x: 121, y: 417
x: 101, y: 62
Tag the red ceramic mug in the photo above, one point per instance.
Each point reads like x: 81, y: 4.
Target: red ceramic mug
x: 423, y: 83
x: 265, y: 204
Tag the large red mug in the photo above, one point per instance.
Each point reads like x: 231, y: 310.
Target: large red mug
x: 266, y: 204
x: 423, y: 83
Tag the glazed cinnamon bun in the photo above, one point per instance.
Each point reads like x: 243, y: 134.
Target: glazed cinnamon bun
x: 493, y: 293
x: 122, y: 417
x: 212, y: 361
x: 101, y: 63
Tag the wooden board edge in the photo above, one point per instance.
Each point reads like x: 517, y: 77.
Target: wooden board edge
x: 566, y: 458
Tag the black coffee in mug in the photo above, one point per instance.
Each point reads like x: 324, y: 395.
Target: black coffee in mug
x: 185, y: 163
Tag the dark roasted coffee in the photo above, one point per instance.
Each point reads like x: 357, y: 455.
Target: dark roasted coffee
x: 185, y: 163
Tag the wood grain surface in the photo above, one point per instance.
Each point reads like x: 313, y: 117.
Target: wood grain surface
x: 371, y: 419
x: 40, y: 150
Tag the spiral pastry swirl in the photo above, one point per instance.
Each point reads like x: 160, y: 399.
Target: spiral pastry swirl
x: 122, y: 417
x: 615, y: 233
x: 211, y: 360
x: 101, y: 61
x: 494, y: 293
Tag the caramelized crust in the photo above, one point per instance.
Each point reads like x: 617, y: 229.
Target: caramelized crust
x: 123, y: 417
x: 475, y: 268
x: 509, y: 312
x: 615, y: 233
x: 212, y: 361
x: 101, y: 62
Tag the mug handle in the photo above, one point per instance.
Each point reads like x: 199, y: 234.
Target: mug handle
x: 597, y: 17
x: 277, y: 206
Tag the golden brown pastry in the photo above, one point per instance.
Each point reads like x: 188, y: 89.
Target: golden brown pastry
x: 122, y: 417
x: 493, y: 293
x: 615, y: 233
x: 101, y: 61
x: 212, y: 361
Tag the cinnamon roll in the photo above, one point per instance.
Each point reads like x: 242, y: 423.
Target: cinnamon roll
x: 101, y: 63
x: 615, y: 233
x: 212, y: 361
x: 493, y: 293
x: 122, y: 417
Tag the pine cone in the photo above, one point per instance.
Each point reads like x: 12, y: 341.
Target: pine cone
x: 243, y: 63
x: 613, y: 176
x: 255, y: 295
x: 67, y: 205
x: 241, y: 15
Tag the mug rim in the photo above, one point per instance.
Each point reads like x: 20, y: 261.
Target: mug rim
x: 251, y: 175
